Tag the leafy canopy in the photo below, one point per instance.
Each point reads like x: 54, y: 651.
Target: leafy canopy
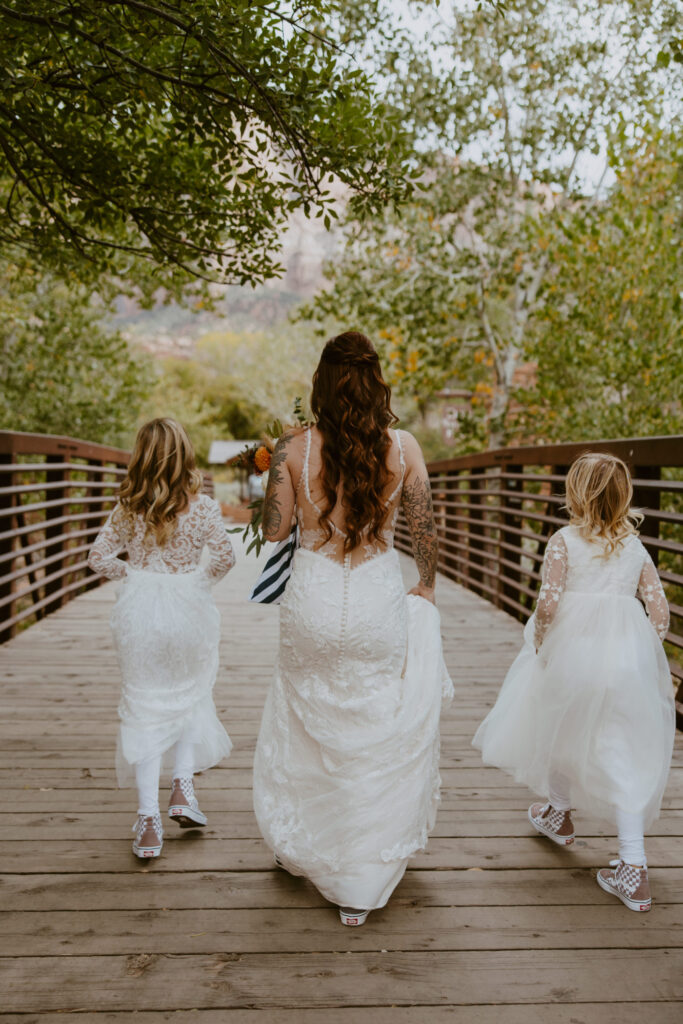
x: 168, y: 142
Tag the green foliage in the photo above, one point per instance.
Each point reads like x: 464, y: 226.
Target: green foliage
x: 210, y: 405
x: 235, y: 385
x: 62, y: 371
x: 608, y: 341
x: 505, y: 117
x: 165, y: 143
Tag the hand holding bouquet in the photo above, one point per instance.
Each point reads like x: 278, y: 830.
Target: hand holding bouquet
x: 256, y: 458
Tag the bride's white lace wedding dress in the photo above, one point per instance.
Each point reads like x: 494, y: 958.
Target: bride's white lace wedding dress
x: 346, y: 777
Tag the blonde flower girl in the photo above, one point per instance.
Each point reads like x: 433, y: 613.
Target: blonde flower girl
x: 585, y: 716
x: 165, y: 625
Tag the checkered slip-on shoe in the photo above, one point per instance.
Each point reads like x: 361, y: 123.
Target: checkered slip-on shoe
x: 553, y: 824
x: 183, y: 805
x: 629, y: 883
x: 149, y: 836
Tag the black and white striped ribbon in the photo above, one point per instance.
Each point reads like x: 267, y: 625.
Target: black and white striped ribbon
x: 270, y: 586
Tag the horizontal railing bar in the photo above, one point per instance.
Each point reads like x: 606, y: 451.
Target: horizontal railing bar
x: 54, y: 485
x: 43, y: 506
x: 49, y: 542
x: 32, y: 567
x: 42, y: 582
x: 26, y: 613
x: 57, y: 521
x: 52, y: 467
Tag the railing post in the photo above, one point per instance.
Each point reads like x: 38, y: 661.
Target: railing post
x: 475, y: 528
x: 511, y: 516
x: 58, y: 494
x: 7, y: 545
x: 644, y: 497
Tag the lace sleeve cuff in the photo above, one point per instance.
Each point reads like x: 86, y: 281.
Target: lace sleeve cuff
x: 652, y: 594
x: 553, y: 582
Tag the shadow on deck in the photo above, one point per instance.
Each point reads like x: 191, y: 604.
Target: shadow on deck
x: 490, y: 924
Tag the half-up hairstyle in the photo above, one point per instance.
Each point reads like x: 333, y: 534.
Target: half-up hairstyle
x: 351, y: 403
x: 161, y: 477
x: 599, y: 496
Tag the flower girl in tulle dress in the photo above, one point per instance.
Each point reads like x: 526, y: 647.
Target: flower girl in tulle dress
x: 586, y: 716
x: 165, y: 625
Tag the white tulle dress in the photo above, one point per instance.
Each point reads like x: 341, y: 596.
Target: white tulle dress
x: 166, y: 630
x: 595, y: 705
x: 346, y: 771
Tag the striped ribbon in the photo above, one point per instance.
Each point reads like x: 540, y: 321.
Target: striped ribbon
x: 270, y: 586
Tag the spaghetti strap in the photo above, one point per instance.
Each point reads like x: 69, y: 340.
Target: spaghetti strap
x: 307, y: 456
x: 402, y: 458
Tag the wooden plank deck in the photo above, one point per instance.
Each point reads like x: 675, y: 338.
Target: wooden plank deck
x: 491, y: 924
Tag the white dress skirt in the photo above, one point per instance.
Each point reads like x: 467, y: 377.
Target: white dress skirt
x: 346, y: 771
x: 166, y: 631
x: 595, y: 705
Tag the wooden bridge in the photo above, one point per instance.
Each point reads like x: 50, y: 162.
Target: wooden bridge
x: 490, y: 924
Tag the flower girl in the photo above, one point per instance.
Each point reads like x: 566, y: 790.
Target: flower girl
x: 165, y: 626
x: 586, y: 716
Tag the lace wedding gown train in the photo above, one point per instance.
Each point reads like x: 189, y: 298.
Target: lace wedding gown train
x: 346, y: 776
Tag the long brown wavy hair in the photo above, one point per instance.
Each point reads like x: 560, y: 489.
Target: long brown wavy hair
x: 351, y: 403
x: 161, y: 477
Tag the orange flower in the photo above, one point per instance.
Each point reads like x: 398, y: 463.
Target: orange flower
x: 262, y: 459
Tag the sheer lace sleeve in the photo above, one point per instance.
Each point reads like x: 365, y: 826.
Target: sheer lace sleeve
x: 652, y: 594
x: 553, y: 581
x: 218, y: 543
x: 109, y: 543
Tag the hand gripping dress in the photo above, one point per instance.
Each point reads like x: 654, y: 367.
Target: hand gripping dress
x: 596, y: 704
x: 166, y: 630
x: 346, y: 771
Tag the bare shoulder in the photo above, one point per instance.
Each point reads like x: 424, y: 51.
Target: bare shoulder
x: 411, y: 448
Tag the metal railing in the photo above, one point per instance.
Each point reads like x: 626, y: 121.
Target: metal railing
x: 55, y: 494
x: 495, y: 511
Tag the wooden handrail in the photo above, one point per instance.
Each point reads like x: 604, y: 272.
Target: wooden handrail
x: 55, y: 494
x: 495, y: 511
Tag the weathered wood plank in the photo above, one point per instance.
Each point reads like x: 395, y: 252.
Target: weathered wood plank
x: 545, y: 1013
x: 277, y: 930
x: 151, y: 889
x: 151, y: 981
x: 190, y: 850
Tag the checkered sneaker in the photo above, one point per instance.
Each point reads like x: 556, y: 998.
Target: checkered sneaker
x: 149, y: 835
x: 628, y: 882
x: 555, y: 825
x: 186, y: 811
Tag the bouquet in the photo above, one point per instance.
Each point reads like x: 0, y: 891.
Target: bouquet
x: 257, y: 459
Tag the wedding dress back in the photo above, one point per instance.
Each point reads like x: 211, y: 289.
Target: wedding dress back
x: 309, y: 496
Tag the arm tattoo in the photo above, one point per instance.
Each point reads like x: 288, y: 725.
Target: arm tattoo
x: 272, y: 513
x: 417, y: 508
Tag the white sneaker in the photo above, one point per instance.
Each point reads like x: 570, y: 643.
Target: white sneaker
x: 353, y: 918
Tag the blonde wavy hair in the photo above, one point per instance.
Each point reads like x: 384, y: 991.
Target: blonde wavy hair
x: 161, y: 477
x: 599, y: 496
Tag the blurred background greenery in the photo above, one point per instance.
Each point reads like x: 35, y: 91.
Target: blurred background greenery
x: 492, y: 191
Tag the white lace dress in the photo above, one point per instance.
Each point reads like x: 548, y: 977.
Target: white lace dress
x: 346, y: 771
x: 595, y: 704
x: 166, y: 630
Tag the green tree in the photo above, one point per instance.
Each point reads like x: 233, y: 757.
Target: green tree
x: 507, y: 113
x: 608, y: 340
x: 161, y: 143
x: 62, y: 372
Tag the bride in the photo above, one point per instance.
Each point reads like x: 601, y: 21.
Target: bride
x: 346, y: 777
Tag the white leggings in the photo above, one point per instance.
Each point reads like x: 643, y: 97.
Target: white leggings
x: 147, y: 774
x: 629, y: 826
